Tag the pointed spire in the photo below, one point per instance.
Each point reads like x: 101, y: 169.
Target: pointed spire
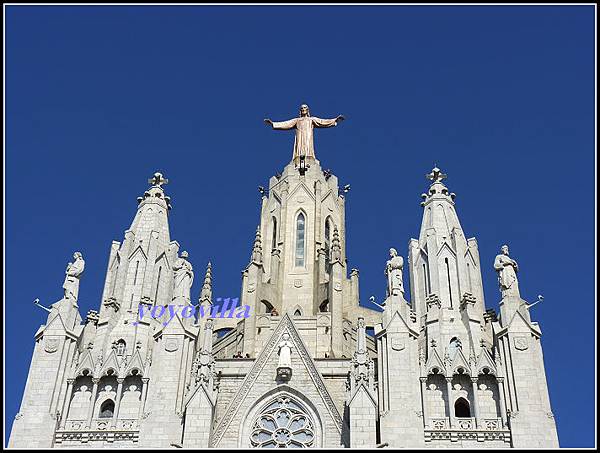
x: 336, y: 248
x: 257, y: 247
x: 206, y: 291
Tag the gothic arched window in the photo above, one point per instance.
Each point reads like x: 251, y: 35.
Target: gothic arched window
x: 107, y: 409
x: 274, y: 241
x: 300, y: 231
x: 462, y: 408
x: 327, y: 241
x: 121, y: 346
x: 283, y: 423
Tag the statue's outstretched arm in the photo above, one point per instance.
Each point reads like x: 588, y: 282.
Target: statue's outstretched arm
x: 321, y: 122
x: 283, y: 125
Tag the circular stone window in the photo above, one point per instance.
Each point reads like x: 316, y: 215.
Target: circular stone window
x: 283, y: 423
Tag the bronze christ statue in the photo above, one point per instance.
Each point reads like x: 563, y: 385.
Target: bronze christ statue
x: 304, y: 125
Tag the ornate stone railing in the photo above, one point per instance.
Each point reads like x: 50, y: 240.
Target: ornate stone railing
x: 464, y: 423
x: 441, y: 429
x: 439, y: 423
x: 491, y: 424
x: 101, y: 424
x: 101, y: 429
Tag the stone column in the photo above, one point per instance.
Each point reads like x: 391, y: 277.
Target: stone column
x: 501, y: 400
x: 66, y: 403
x: 476, y: 402
x: 143, y: 397
x: 117, y: 401
x: 95, y: 381
x: 424, y: 402
x: 450, y: 406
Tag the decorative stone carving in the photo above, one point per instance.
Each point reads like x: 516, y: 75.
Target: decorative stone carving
x: 398, y: 344
x: 433, y: 301
x: 521, y: 343
x: 304, y: 126
x: 113, y: 303
x: 171, y: 344
x: 51, y: 345
x: 507, y: 269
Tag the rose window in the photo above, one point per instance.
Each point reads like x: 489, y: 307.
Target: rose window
x: 283, y: 424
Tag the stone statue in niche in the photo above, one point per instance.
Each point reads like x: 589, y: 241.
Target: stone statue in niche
x: 507, y: 269
x: 393, y: 271
x: 73, y: 274
x: 284, y: 349
x: 184, y: 277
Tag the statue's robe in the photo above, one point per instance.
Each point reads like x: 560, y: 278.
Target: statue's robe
x: 304, y: 125
x: 285, y: 354
x: 71, y: 283
x: 184, y: 278
x: 507, y: 275
x: 393, y: 271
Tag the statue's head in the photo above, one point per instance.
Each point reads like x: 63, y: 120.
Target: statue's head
x: 77, y: 255
x: 504, y: 249
x: 184, y: 254
x: 393, y: 252
x: 285, y: 336
x: 304, y: 110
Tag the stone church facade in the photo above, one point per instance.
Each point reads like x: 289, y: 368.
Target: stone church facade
x: 301, y: 371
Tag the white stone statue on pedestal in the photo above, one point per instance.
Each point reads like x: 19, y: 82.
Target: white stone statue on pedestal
x: 73, y: 274
x: 507, y: 269
x: 284, y: 367
x: 393, y: 271
x: 184, y: 277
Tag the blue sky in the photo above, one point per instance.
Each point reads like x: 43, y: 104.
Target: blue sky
x: 500, y: 98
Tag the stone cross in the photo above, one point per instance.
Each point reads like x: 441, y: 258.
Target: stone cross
x: 158, y: 180
x: 436, y: 175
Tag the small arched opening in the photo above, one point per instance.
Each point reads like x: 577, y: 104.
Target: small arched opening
x: 107, y: 409
x: 462, y: 408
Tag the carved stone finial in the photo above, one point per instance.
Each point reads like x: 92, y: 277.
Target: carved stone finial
x: 206, y: 291
x: 257, y: 247
x: 336, y: 248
